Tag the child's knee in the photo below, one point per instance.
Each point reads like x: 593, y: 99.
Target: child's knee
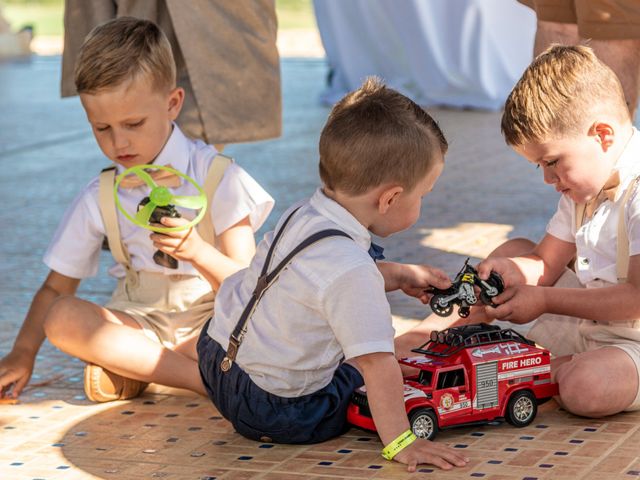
x: 57, y: 319
x: 514, y: 247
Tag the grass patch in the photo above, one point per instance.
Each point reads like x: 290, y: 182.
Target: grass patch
x: 46, y: 15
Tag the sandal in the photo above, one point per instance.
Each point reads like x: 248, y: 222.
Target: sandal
x: 101, y: 385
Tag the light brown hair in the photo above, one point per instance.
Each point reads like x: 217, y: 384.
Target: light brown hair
x: 120, y: 50
x: 558, y: 94
x: 376, y: 135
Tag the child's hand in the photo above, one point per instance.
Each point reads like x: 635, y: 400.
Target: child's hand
x: 182, y: 245
x: 510, y: 273
x: 425, y: 451
x: 519, y: 304
x: 15, y: 371
x: 415, y: 281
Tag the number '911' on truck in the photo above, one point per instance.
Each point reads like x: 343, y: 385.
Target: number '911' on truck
x: 469, y: 375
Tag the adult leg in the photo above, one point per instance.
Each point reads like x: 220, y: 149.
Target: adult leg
x: 116, y: 342
x: 623, y: 57
x: 548, y: 33
x: 598, y: 382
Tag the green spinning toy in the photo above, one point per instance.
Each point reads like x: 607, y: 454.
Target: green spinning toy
x: 161, y: 203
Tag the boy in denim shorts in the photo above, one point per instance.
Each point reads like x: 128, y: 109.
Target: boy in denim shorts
x: 308, y: 322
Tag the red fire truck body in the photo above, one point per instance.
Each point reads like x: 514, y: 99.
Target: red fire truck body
x: 472, y: 374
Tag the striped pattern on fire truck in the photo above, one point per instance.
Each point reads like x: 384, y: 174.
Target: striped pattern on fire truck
x: 461, y: 405
x: 524, y: 372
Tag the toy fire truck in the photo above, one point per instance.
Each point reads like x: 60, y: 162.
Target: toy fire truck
x: 469, y: 375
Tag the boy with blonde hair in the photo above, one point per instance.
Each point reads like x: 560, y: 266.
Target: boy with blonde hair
x: 146, y: 333
x: 567, y: 115
x: 308, y: 322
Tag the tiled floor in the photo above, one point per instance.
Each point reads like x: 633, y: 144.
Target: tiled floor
x: 485, y: 195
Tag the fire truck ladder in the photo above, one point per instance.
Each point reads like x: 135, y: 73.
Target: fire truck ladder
x: 455, y: 339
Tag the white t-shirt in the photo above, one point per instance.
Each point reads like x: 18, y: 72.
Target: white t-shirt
x: 75, y: 248
x: 329, y: 304
x: 596, y: 240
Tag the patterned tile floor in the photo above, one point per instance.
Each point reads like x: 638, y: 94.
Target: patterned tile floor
x: 484, y: 196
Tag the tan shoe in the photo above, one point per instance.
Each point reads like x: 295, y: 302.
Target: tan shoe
x: 101, y: 385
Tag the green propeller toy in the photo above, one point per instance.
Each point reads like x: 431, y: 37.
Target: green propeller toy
x: 162, y: 199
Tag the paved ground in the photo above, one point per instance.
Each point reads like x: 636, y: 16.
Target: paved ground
x: 485, y: 195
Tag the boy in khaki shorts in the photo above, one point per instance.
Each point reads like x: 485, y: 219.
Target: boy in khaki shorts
x: 125, y: 76
x: 567, y: 115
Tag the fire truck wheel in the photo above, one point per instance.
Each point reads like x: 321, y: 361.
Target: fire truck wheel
x: 522, y: 408
x: 423, y: 423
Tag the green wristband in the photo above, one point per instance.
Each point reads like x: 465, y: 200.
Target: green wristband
x: 396, y: 446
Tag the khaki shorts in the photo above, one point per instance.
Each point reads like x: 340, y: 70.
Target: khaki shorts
x: 169, y: 308
x: 597, y: 19
x: 563, y: 335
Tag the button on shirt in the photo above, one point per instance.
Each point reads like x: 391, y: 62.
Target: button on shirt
x: 327, y: 305
x: 75, y: 248
x: 596, y: 240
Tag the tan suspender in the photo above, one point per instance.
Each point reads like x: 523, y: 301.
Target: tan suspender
x: 110, y: 217
x: 216, y: 171
x: 622, y: 250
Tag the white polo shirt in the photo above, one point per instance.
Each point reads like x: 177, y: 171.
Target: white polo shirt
x: 596, y: 240
x: 75, y: 248
x: 329, y: 304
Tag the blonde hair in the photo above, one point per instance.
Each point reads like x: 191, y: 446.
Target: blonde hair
x: 560, y: 91
x: 120, y: 50
x: 376, y: 135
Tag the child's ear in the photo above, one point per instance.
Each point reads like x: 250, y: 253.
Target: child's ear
x: 603, y: 133
x: 176, y: 99
x: 388, y: 197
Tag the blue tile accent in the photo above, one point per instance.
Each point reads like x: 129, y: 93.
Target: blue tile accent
x: 542, y: 426
x: 128, y: 412
x: 375, y: 467
x: 561, y: 453
x: 57, y: 407
x: 478, y: 474
x: 477, y: 434
x: 364, y: 439
x: 208, y: 478
x: 546, y: 465
x: 635, y: 473
x: 526, y: 437
x: 150, y: 425
x: 16, y: 464
x: 460, y: 445
x: 590, y: 429
x: 57, y: 444
x: 245, y: 457
x: 495, y: 462
x: 426, y: 470
x: 529, y: 478
x: 325, y: 463
x: 576, y: 441
x: 80, y: 434
x: 510, y: 449
x: 63, y: 467
x: 266, y: 445
x: 344, y: 450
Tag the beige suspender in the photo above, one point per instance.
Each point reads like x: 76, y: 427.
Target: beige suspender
x: 622, y: 261
x: 110, y: 217
x: 216, y: 171
x: 622, y: 250
x: 110, y: 220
